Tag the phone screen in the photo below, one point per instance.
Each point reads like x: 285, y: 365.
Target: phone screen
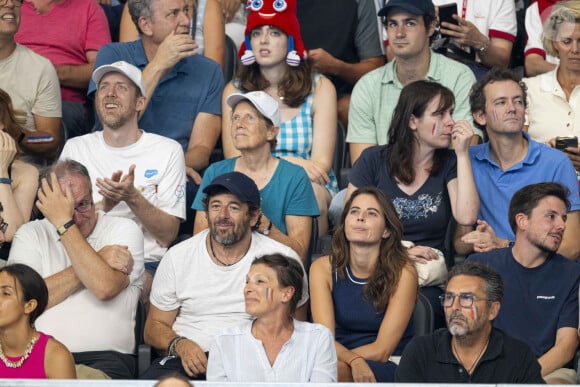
x: 446, y: 11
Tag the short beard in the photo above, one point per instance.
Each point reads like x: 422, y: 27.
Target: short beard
x: 227, y: 240
x: 236, y: 235
x: 115, y: 123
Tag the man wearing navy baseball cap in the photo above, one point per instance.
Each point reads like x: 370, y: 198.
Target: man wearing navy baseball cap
x: 410, y: 24
x: 198, y: 288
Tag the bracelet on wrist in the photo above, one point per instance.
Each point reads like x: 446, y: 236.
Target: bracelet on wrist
x: 173, y: 344
x: 5, y: 180
x: 353, y: 359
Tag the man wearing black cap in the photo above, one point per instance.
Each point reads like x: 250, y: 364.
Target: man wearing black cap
x: 198, y: 288
x: 410, y: 25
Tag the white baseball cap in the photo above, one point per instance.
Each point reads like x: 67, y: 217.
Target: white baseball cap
x: 265, y: 104
x: 130, y: 71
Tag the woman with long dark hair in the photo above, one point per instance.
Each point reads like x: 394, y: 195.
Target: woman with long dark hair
x: 365, y: 290
x: 426, y: 180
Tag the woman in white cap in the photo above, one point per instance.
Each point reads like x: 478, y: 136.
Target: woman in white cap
x: 288, y: 202
x: 274, y: 61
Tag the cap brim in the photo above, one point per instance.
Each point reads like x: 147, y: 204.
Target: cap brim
x: 233, y: 99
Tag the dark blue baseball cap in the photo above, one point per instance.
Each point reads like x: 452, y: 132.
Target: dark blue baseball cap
x: 414, y: 7
x: 238, y: 184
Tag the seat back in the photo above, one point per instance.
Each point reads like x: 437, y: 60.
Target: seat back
x: 231, y: 60
x: 341, y: 159
x: 423, y: 316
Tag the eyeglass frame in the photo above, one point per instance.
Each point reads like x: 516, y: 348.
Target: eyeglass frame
x: 17, y: 3
x: 85, y: 205
x: 468, y: 297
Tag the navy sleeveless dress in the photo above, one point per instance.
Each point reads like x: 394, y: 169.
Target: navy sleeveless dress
x: 357, y: 322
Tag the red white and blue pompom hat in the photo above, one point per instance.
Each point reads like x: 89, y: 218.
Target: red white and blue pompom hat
x: 280, y: 14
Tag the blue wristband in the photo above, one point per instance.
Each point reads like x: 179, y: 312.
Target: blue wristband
x: 5, y: 180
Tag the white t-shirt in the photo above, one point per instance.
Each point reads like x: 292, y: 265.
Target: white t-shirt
x: 82, y: 322
x: 209, y: 297
x: 159, y: 174
x: 309, y: 356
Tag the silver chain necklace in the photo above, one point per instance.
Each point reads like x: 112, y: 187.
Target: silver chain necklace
x: 27, y: 352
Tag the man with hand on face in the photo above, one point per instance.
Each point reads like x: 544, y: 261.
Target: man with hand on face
x: 470, y: 349
x: 139, y: 175
x: 198, y: 288
x: 92, y: 264
x: 540, y: 305
x: 183, y: 89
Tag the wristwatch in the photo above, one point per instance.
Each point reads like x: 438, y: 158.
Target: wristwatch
x: 64, y: 228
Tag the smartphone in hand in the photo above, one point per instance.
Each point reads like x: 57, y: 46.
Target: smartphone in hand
x: 566, y: 142
x: 446, y: 12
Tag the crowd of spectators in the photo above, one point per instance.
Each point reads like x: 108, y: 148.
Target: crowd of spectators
x: 135, y: 179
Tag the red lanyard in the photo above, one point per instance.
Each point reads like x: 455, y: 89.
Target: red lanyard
x: 464, y: 9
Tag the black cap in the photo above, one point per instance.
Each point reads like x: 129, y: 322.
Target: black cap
x: 414, y: 7
x: 239, y: 185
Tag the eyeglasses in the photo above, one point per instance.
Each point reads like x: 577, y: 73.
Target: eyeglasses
x: 465, y: 299
x: 17, y: 3
x: 84, y: 206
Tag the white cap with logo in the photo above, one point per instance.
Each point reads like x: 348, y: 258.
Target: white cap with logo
x: 265, y: 104
x: 127, y: 69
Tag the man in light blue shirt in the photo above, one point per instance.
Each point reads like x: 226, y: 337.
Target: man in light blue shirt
x: 508, y: 162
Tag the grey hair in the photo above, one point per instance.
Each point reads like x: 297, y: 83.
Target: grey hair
x: 492, y: 280
x: 139, y: 9
x: 66, y: 167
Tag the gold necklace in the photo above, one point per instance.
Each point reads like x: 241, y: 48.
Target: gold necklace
x: 27, y: 352
x: 476, y: 360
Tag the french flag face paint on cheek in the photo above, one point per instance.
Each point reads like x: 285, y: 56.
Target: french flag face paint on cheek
x: 436, y: 129
x: 268, y: 293
x: 494, y: 115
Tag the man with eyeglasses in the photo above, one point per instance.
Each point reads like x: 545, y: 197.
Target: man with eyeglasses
x: 32, y: 83
x: 470, y: 349
x: 138, y: 175
x: 540, y: 305
x: 92, y: 264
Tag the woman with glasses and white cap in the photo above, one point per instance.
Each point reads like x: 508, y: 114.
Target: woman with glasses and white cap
x: 288, y: 202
